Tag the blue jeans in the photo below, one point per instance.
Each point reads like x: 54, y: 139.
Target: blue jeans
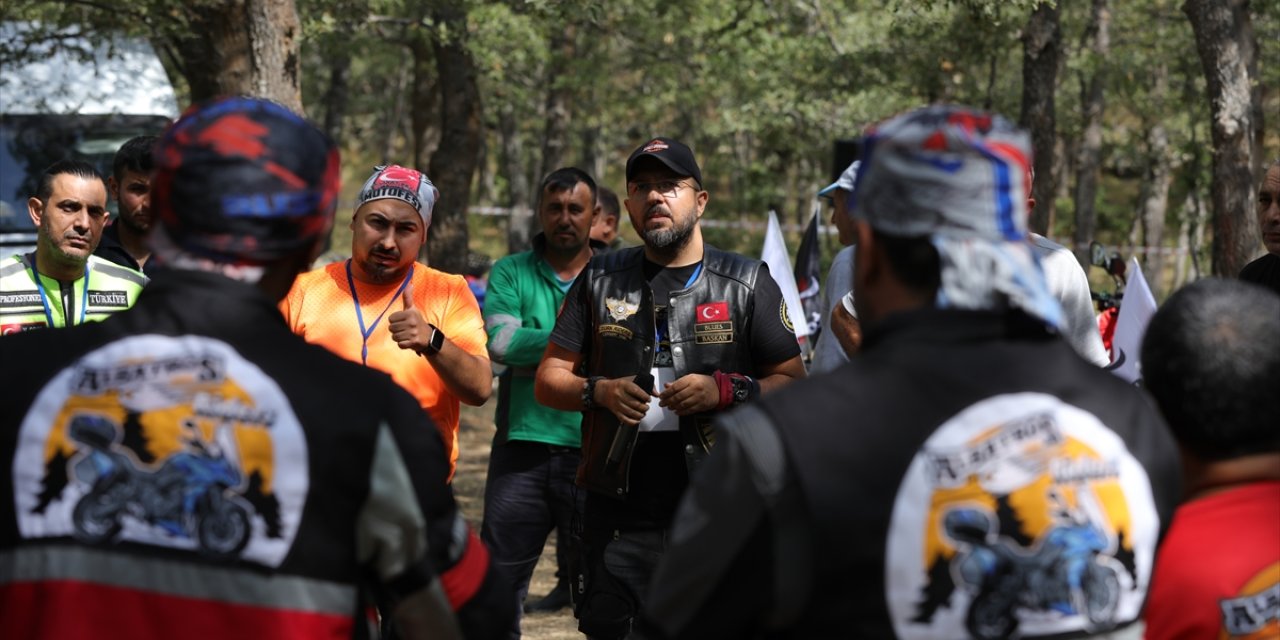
x: 529, y: 491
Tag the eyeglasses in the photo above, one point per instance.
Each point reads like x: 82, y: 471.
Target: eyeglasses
x: 668, y: 188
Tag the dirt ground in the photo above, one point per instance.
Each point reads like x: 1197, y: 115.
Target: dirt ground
x: 475, y: 437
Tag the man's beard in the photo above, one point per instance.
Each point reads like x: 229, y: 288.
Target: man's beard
x: 560, y: 247
x: 384, y: 274
x: 672, y: 239
x: 130, y: 222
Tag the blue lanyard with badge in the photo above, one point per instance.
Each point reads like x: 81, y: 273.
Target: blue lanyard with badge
x: 365, y: 333
x: 660, y: 328
x: 44, y: 297
x: 623, y: 437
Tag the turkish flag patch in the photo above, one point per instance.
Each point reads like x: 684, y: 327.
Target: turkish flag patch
x: 7, y: 329
x: 713, y: 312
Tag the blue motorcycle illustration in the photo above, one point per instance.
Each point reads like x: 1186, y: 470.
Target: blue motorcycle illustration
x: 1065, y: 574
x: 189, y: 496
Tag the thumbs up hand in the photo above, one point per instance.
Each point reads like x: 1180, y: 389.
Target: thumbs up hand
x: 408, y: 328
x: 406, y: 298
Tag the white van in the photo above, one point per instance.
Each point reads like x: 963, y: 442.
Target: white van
x: 69, y: 98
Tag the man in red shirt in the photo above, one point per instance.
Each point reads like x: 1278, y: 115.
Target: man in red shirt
x: 1211, y: 358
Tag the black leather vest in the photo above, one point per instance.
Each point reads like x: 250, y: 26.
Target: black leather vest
x: 708, y: 324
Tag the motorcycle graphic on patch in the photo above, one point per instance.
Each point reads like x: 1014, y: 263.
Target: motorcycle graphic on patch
x: 163, y: 441
x: 1066, y: 573
x: 1020, y: 516
x: 193, y: 494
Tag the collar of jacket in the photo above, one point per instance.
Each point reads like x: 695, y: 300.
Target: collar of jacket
x: 928, y: 324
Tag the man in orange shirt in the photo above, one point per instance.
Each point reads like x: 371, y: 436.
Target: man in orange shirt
x: 385, y: 310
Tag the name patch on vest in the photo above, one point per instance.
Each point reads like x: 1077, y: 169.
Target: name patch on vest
x: 615, y: 331
x: 115, y: 299
x: 17, y: 299
x: 712, y: 324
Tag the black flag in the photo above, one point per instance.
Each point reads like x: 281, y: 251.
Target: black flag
x: 808, y: 264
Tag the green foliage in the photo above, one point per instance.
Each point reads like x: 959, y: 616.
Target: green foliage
x: 759, y: 89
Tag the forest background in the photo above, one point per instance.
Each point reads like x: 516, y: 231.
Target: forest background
x: 1148, y: 117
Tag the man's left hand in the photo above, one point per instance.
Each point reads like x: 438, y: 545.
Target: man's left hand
x: 692, y: 393
x: 408, y: 328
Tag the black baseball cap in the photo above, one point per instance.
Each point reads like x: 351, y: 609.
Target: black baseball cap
x: 675, y: 155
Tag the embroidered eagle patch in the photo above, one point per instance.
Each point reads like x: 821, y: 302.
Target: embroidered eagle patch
x: 621, y: 309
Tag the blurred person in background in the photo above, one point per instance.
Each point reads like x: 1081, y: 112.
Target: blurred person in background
x: 190, y: 468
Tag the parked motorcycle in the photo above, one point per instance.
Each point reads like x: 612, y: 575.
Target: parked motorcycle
x: 1108, y: 303
x: 189, y: 496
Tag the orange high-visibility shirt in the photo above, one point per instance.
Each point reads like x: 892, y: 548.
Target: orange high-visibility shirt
x: 320, y: 308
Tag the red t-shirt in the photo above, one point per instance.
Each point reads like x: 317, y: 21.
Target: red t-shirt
x: 1218, y: 573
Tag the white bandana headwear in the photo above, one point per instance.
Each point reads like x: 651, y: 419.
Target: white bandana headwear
x: 958, y: 177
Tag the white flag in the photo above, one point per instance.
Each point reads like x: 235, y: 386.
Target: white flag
x: 775, y: 255
x: 1136, y: 309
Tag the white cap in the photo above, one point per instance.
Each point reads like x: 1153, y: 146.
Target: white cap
x: 845, y: 181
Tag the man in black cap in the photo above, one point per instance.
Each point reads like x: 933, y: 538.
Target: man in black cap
x: 966, y: 475
x: 652, y: 343
x: 191, y: 468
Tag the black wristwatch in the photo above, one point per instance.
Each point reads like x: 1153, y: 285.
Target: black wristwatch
x: 589, y: 392
x: 744, y: 389
x: 436, y: 342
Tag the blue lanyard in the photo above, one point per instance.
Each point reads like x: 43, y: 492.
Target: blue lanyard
x: 365, y: 333
x: 660, y: 328
x: 693, y: 277
x: 44, y: 297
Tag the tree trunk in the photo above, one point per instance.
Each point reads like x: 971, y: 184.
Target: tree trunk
x: 424, y: 98
x: 1155, y: 206
x: 1225, y: 43
x: 391, y: 126
x: 460, y: 132
x: 243, y: 47
x: 1181, y: 262
x: 1155, y: 200
x: 1065, y: 154
x: 1097, y: 41
x: 1197, y: 239
x: 555, y: 136
x: 337, y: 96
x: 593, y: 154
x: 1194, y: 209
x: 513, y: 165
x: 1041, y: 49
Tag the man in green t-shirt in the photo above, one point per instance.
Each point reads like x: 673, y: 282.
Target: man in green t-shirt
x: 530, y: 488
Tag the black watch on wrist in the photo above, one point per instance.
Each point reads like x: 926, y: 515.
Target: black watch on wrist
x: 436, y: 342
x: 742, y: 389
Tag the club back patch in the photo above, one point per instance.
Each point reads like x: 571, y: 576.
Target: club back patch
x: 167, y: 442
x: 1020, y: 516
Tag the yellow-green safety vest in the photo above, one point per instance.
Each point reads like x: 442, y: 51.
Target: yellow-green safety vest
x: 30, y: 300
